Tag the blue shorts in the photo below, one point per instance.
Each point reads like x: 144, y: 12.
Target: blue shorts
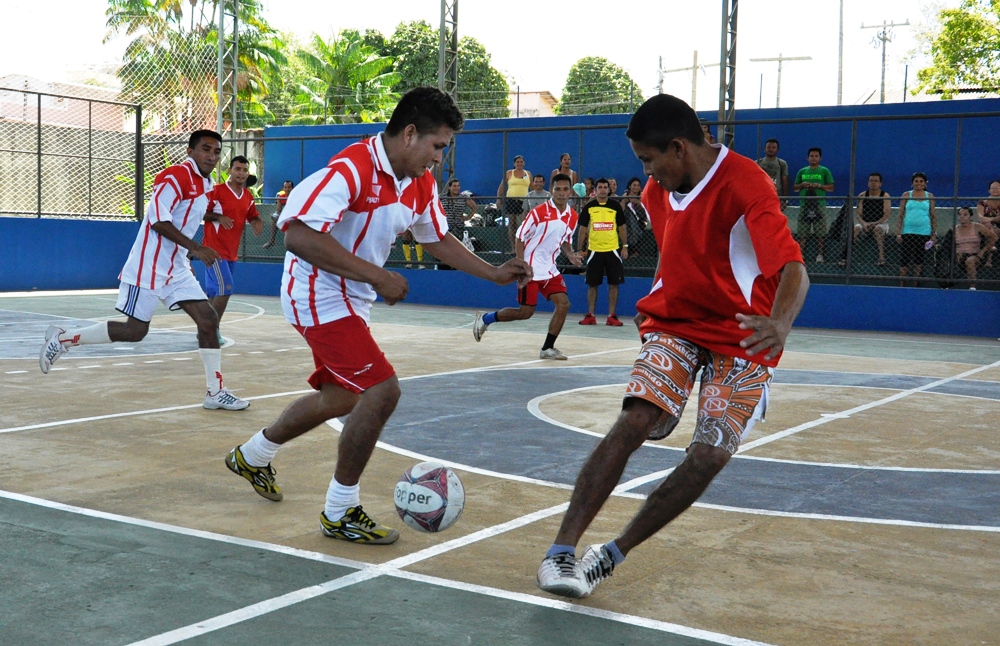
x: 219, y: 278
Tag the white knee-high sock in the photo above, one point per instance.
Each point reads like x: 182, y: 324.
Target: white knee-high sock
x: 92, y: 334
x: 212, y: 358
x: 340, y: 498
x: 259, y: 451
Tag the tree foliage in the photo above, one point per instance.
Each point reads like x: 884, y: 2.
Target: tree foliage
x: 595, y: 85
x: 346, y: 81
x: 965, y: 51
x: 170, y: 64
x: 483, y: 91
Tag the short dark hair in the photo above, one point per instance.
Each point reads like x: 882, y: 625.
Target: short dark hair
x: 452, y: 181
x: 876, y: 174
x: 561, y: 177
x: 918, y: 174
x: 239, y: 158
x: 992, y: 182
x: 603, y: 180
x: 772, y: 139
x: 633, y: 179
x: 198, y: 135
x: 817, y: 149
x: 663, y: 118
x: 427, y: 108
x: 288, y: 181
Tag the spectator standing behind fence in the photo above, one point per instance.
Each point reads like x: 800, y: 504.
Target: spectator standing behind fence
x: 536, y: 196
x: 588, y: 184
x: 872, y: 213
x: 279, y: 204
x: 988, y: 211
x: 969, y: 247
x: 812, y: 183
x: 158, y: 271
x: 603, y: 233
x: 636, y: 220
x: 776, y: 168
x: 917, y: 226
x: 459, y: 207
x: 565, y: 160
x: 613, y: 187
x: 231, y: 206
x: 705, y: 128
x: 546, y: 230
x: 515, y: 185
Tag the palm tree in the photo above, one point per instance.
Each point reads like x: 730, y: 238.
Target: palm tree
x: 171, y: 63
x: 348, y: 82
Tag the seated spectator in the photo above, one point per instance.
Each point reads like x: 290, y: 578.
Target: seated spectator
x: 588, y: 183
x: 613, y: 183
x: 969, y: 247
x: 636, y: 220
x: 709, y: 137
x: 872, y: 215
x: 988, y: 211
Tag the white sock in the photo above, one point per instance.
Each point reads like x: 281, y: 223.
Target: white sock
x: 90, y: 335
x: 212, y: 358
x: 259, y: 451
x: 340, y: 498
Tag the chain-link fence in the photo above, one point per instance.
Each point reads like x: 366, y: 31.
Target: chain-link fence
x: 62, y: 156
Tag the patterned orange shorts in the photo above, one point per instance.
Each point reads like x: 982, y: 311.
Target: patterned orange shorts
x: 733, y: 395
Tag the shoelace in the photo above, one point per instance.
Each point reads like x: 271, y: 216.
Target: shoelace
x: 601, y: 569
x: 360, y: 517
x: 566, y: 564
x: 226, y: 397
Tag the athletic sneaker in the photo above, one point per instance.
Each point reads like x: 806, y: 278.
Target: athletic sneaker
x: 225, y: 400
x: 560, y: 574
x: 218, y: 334
x: 262, y: 478
x: 478, y: 327
x: 358, y: 527
x: 613, y: 321
x: 596, y: 566
x: 589, y: 319
x: 51, y: 350
x: 552, y: 353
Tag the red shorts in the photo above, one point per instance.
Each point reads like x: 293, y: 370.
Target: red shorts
x: 346, y: 355
x: 528, y: 295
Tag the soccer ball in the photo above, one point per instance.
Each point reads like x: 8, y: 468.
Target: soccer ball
x: 429, y: 497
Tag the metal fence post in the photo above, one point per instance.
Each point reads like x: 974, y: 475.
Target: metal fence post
x: 140, y: 184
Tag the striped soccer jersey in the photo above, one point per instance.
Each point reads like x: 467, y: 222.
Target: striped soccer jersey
x: 357, y: 200
x: 543, y: 233
x: 180, y: 196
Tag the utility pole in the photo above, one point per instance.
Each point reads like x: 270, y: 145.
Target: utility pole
x: 448, y: 75
x: 781, y: 59
x: 884, y: 36
x: 693, y: 68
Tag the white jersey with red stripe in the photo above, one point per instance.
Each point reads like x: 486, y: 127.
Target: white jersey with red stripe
x: 543, y: 232
x: 357, y: 200
x: 180, y: 196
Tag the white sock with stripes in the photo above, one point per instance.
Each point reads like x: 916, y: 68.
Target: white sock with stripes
x: 212, y: 358
x: 90, y: 335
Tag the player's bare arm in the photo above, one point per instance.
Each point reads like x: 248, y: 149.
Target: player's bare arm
x: 257, y: 226
x: 574, y: 257
x: 323, y: 251
x: 452, y: 252
x: 224, y: 220
x: 519, y: 249
x: 770, y: 332
x: 173, y: 234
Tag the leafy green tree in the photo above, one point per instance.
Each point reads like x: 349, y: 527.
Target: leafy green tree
x: 595, y: 85
x: 170, y: 63
x: 965, y: 50
x: 483, y: 91
x: 347, y: 81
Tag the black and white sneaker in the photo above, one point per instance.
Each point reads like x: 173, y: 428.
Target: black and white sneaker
x: 596, y: 566
x: 560, y: 574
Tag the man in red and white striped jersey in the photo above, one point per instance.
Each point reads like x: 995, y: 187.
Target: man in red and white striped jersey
x: 547, y: 229
x: 339, y: 225
x: 158, y: 270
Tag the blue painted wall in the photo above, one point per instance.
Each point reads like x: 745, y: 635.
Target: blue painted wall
x: 896, y: 147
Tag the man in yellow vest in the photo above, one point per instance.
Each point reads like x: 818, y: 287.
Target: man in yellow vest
x: 603, y: 235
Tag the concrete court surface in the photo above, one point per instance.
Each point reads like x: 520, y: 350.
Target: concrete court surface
x: 866, y: 510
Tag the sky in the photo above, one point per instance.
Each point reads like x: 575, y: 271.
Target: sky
x: 535, y: 44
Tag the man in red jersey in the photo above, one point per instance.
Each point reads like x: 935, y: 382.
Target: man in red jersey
x: 230, y: 208
x: 729, y: 285
x: 339, y: 226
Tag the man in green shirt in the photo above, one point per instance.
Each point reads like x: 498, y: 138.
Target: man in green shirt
x: 813, y: 182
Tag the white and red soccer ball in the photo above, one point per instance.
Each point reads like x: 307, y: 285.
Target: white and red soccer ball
x: 429, y: 497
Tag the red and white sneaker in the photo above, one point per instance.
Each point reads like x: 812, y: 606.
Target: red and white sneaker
x: 589, y: 319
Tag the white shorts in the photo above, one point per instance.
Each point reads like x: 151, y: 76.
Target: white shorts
x: 140, y: 303
x: 884, y: 226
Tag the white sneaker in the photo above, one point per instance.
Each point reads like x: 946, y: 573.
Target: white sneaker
x: 51, y: 350
x: 972, y: 289
x: 224, y: 400
x: 819, y: 258
x: 552, y: 353
x: 596, y: 566
x: 561, y: 575
x: 478, y: 327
